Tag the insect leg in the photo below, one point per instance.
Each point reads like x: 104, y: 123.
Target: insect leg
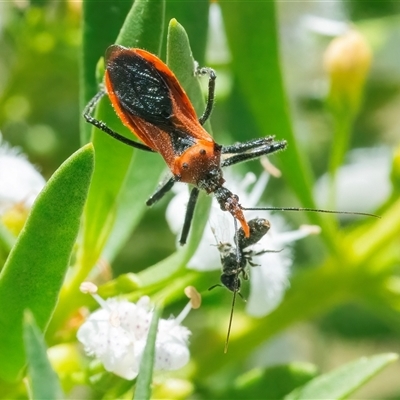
x: 249, y: 145
x: 211, y: 91
x: 258, y: 152
x: 87, y: 114
x: 160, y: 192
x: 194, y: 194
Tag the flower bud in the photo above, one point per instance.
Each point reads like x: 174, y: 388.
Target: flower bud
x: 15, y: 217
x: 347, y: 61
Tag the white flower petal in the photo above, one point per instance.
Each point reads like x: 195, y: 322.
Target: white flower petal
x: 268, y: 283
x: 325, y: 26
x: 20, y: 182
x: 206, y: 257
x: 172, y: 351
x: 171, y: 355
x: 168, y: 328
x: 127, y: 367
x: 176, y: 209
x: 258, y: 190
x: 362, y: 185
x: 288, y: 237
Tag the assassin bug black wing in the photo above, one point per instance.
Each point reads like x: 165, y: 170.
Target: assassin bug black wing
x: 139, y: 88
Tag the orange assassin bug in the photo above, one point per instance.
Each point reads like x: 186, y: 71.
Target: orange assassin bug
x: 150, y: 101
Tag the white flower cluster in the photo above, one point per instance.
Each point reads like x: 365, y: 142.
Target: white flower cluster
x: 116, y: 334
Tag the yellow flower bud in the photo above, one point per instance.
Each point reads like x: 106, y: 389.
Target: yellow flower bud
x: 347, y: 61
x: 14, y: 218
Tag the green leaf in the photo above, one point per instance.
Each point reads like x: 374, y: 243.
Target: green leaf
x: 180, y: 60
x: 271, y: 383
x: 140, y: 183
x: 44, y: 381
x: 95, y: 39
x: 35, y: 270
x: 115, y: 164
x: 144, y: 379
x: 194, y: 17
x: 343, y: 381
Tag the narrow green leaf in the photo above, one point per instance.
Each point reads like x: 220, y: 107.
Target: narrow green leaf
x: 44, y: 381
x: 115, y: 165
x: 343, y: 381
x: 144, y: 379
x: 34, y: 271
x: 194, y: 17
x: 271, y: 383
x: 144, y: 26
x: 95, y: 38
x: 140, y: 183
x: 180, y: 60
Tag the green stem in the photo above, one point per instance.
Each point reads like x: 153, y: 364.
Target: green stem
x: 342, y: 134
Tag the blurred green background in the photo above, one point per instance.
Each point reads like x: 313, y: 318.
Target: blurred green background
x: 40, y: 113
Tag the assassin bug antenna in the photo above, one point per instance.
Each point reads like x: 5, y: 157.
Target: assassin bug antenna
x: 149, y: 100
